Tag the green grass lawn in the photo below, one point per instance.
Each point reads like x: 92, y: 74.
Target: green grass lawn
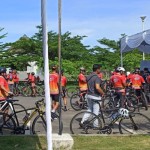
x: 80, y: 143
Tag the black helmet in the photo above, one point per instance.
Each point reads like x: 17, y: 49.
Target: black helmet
x: 2, y: 70
x: 137, y: 70
x: 33, y: 73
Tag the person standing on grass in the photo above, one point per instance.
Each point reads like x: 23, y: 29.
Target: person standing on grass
x: 94, y: 92
x: 54, y: 90
x: 63, y: 84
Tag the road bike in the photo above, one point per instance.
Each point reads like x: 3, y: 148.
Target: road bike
x: 88, y: 123
x: 10, y: 125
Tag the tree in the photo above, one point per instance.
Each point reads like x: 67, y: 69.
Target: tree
x: 1, y: 37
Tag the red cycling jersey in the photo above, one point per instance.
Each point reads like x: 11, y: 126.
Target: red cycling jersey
x: 4, y: 83
x: 63, y: 81
x: 53, y: 82
x: 118, y: 80
x: 136, y: 81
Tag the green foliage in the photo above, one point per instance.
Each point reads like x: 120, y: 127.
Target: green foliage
x: 73, y: 53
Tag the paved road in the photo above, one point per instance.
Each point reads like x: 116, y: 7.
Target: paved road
x: 66, y: 116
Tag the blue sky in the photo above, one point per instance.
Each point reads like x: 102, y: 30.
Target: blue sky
x: 94, y: 18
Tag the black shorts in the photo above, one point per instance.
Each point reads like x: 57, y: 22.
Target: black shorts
x: 55, y: 97
x: 63, y: 91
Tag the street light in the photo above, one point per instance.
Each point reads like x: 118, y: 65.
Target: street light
x: 143, y: 19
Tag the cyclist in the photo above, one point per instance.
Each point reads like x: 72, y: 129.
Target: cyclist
x: 10, y: 80
x: 16, y: 81
x: 4, y: 87
x: 145, y: 74
x: 82, y: 81
x: 63, y: 84
x: 137, y: 81
x: 118, y: 82
x: 94, y: 92
x: 54, y: 90
x: 32, y: 80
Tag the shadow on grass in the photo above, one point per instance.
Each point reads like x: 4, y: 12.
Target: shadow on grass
x: 23, y: 143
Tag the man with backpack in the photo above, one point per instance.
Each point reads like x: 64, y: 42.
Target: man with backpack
x: 94, y: 92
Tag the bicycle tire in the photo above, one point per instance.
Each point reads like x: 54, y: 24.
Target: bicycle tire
x: 144, y: 100
x: 39, y: 91
x: 91, y: 125
x: 75, y: 102
x: 71, y: 90
x: 108, y: 105
x: 7, y: 124
x: 131, y: 103
x: 39, y: 125
x: 26, y: 91
x: 21, y: 112
x: 137, y: 123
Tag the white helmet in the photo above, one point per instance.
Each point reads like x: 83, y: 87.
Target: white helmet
x: 124, y: 113
x: 120, y: 69
x: 82, y: 68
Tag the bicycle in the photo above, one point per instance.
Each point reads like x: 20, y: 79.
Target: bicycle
x: 78, y: 101
x: 72, y: 90
x: 10, y: 107
x: 9, y: 125
x: 98, y: 124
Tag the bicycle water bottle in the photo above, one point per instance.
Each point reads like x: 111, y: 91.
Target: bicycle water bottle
x: 26, y: 117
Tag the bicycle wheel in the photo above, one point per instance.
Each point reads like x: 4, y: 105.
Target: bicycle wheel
x: 39, y: 125
x: 131, y: 103
x: 76, y: 102
x: 39, y: 91
x: 144, y: 100
x: 26, y: 91
x: 7, y: 124
x: 107, y: 106
x: 21, y: 112
x: 71, y: 90
x: 85, y: 123
x: 137, y: 123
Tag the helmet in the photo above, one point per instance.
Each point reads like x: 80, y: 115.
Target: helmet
x: 33, y: 73
x: 2, y: 70
x: 120, y: 69
x: 137, y: 70
x: 82, y: 68
x: 124, y: 113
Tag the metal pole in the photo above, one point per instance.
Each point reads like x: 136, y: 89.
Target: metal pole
x: 46, y: 75
x: 143, y: 18
x: 59, y: 58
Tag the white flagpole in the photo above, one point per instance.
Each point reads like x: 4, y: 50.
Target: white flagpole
x: 46, y: 75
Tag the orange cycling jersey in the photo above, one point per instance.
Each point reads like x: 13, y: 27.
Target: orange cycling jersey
x: 136, y: 81
x: 53, y: 82
x: 118, y: 80
x: 4, y: 83
x: 82, y: 82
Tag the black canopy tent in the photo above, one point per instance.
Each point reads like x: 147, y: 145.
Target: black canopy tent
x: 140, y: 41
